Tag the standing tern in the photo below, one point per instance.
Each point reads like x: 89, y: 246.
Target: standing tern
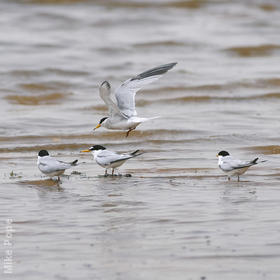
x: 51, y: 166
x: 109, y: 159
x: 122, y: 113
x: 234, y: 167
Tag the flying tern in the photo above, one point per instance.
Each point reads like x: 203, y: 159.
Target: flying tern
x: 122, y: 113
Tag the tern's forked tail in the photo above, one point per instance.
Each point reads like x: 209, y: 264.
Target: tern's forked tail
x: 255, y: 161
x: 74, y: 163
x: 136, y: 153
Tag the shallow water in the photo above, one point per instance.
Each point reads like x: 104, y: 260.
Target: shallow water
x: 177, y: 217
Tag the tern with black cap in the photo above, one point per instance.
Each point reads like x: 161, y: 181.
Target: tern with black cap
x: 109, y: 159
x: 234, y: 167
x: 51, y: 166
x: 122, y: 113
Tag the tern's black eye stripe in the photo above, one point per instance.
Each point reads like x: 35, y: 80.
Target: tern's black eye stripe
x: 97, y: 147
x: 102, y: 120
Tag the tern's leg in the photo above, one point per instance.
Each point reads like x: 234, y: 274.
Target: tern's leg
x: 113, y: 171
x: 58, y: 179
x: 238, y: 178
x: 228, y: 178
x: 106, y: 174
x: 127, y: 133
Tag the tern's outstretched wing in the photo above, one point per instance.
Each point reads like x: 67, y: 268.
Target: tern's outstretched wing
x: 105, y: 94
x: 230, y: 164
x: 125, y: 94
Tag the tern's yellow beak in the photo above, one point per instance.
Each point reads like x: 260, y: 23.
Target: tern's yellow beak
x: 85, y: 151
x: 97, y: 126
